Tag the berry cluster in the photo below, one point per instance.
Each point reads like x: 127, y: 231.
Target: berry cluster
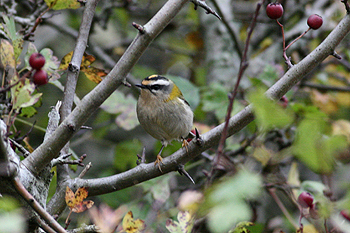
x: 37, y: 61
x: 275, y: 11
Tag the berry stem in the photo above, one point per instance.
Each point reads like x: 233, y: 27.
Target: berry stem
x: 297, y: 38
x: 272, y: 192
x: 288, y: 61
x: 282, y: 29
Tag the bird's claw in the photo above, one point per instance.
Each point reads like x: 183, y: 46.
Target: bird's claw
x: 185, y: 144
x: 159, y: 161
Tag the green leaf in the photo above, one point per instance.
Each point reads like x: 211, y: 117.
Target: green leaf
x: 313, y: 187
x: 315, y: 149
x: 22, y: 95
x: 8, y: 203
x: 268, y: 113
x: 13, y: 221
x: 125, y: 107
x: 310, y: 111
x: 242, y: 186
x: 223, y: 217
x: 125, y: 154
x: 10, y: 30
x: 161, y: 189
x: 226, y: 203
x: 28, y: 112
x: 215, y: 100
x: 31, y: 110
x: 51, y: 64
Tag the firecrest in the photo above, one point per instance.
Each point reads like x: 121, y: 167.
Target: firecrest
x: 163, y: 112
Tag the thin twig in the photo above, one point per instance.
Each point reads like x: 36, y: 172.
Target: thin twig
x: 85, y: 170
x: 242, y: 68
x: 43, y: 225
x: 22, y: 191
x: 20, y: 148
x: 203, y: 4
x: 325, y: 87
x: 37, y: 22
x: 272, y: 192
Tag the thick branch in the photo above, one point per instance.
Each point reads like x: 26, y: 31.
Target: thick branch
x: 50, y: 148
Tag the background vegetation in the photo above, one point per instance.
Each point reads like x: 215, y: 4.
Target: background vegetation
x: 251, y: 183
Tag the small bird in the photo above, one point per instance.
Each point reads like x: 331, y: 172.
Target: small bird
x: 163, y: 112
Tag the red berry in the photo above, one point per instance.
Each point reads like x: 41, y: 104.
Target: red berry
x: 274, y: 10
x: 305, y: 199
x: 345, y: 214
x: 194, y: 133
x: 315, y: 21
x: 40, y: 77
x: 283, y: 101
x: 36, y: 61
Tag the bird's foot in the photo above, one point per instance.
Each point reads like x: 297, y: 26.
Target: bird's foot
x: 159, y: 161
x: 185, y: 144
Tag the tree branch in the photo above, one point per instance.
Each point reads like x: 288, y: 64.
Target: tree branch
x: 36, y: 206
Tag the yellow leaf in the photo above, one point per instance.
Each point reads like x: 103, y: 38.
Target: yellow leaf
x: 81, y: 194
x: 63, y: 4
x: 262, y: 154
x: 132, y: 226
x: 82, y: 206
x: 87, y: 60
x: 70, y: 198
x: 65, y: 61
x: 293, y: 177
x: 76, y: 201
x: 92, y: 73
x: 341, y: 127
x: 7, y: 54
x: 309, y: 229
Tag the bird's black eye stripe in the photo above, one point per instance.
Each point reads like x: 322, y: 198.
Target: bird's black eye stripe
x: 156, y: 87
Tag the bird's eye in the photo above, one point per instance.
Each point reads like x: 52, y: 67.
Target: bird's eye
x: 155, y: 87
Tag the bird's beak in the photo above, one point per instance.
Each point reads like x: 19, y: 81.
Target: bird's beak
x: 141, y: 86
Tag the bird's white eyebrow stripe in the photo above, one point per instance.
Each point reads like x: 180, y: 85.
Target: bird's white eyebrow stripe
x: 160, y: 82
